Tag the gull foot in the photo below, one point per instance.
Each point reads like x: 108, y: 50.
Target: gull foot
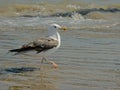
x: 54, y: 65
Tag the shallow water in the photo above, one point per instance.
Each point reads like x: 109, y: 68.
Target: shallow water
x: 88, y: 59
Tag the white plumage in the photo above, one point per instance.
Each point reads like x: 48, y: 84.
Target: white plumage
x: 43, y: 46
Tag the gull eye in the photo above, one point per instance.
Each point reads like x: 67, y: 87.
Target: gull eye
x: 55, y: 27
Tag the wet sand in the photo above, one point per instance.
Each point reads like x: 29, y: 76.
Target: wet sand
x: 88, y: 59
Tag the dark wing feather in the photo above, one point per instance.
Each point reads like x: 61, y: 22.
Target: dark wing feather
x: 40, y: 45
x: 44, y: 44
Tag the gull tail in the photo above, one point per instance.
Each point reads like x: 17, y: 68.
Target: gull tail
x: 16, y: 50
x: 20, y: 50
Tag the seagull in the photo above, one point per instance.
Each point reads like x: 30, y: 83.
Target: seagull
x: 43, y: 46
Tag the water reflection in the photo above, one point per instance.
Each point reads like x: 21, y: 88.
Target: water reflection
x: 88, y: 59
x: 28, y: 78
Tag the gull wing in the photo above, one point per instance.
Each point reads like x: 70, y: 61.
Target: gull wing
x: 42, y: 44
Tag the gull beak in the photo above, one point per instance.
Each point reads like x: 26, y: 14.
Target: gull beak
x: 63, y: 28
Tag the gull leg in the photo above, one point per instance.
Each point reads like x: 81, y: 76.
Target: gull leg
x: 54, y: 65
x: 43, y: 59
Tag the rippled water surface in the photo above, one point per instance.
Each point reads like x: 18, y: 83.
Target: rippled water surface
x: 88, y: 59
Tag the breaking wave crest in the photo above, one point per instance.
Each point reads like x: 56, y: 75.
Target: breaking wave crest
x: 77, y: 10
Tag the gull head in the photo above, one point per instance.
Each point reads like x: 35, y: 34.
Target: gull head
x: 57, y: 27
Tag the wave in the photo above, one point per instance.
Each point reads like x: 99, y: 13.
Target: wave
x: 65, y: 9
x: 87, y: 11
x: 92, y: 13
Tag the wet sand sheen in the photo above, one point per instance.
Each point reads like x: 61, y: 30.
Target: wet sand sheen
x: 87, y: 60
